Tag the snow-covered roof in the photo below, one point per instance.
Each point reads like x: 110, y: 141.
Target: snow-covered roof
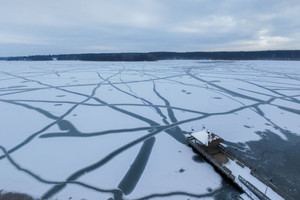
x: 206, y: 137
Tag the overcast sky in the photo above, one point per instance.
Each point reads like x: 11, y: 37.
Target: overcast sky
x: 30, y: 27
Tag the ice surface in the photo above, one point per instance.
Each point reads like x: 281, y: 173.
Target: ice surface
x: 80, y: 129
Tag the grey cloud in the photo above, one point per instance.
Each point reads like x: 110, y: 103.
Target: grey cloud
x: 65, y: 26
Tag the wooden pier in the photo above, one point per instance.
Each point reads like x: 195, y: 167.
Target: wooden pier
x: 242, y: 174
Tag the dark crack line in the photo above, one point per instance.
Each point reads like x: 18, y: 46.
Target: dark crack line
x: 108, y: 104
x: 224, y: 89
x: 31, y: 137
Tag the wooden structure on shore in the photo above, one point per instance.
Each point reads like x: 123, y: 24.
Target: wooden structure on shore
x: 243, y: 175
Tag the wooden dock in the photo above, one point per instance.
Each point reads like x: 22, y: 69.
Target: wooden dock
x: 234, y: 168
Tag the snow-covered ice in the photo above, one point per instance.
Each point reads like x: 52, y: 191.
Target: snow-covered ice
x: 100, y: 130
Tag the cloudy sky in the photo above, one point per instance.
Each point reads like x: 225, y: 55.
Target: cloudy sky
x: 30, y: 27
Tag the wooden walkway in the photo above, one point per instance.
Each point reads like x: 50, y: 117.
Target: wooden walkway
x: 220, y: 157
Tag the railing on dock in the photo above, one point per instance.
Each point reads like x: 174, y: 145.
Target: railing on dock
x: 253, y: 189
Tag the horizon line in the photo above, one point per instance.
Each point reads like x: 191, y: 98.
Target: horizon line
x: 149, y: 52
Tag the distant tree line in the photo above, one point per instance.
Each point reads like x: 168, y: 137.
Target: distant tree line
x: 154, y: 56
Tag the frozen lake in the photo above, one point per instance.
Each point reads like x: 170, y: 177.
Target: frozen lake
x: 116, y: 130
